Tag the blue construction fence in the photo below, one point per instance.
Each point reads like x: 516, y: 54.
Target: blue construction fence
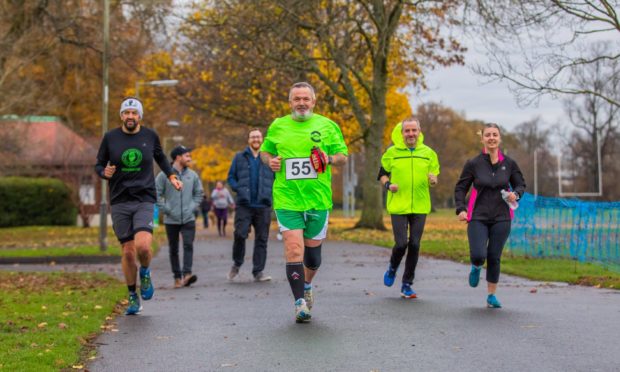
x: 567, y: 228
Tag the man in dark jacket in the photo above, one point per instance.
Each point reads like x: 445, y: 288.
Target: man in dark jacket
x: 253, y: 182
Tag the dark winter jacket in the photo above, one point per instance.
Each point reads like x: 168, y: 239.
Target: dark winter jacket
x: 485, y: 202
x: 251, y: 180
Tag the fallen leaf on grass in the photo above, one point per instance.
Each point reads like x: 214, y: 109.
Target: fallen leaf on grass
x: 530, y: 326
x: 98, y: 307
x: 42, y: 325
x: 62, y: 326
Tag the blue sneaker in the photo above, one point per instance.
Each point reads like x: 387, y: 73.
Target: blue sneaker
x: 134, y: 305
x: 407, y: 292
x: 474, y: 276
x: 389, y: 276
x: 493, y: 302
x: 146, y: 285
x: 302, y: 313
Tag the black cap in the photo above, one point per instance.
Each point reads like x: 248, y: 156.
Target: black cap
x: 179, y: 150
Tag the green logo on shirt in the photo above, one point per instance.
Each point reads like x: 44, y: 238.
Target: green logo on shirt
x: 131, y: 158
x: 315, y: 136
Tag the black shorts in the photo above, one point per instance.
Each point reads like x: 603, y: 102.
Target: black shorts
x: 130, y: 217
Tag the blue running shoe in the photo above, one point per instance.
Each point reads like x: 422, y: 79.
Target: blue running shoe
x: 407, y: 292
x: 493, y: 302
x: 302, y: 313
x: 146, y: 285
x: 389, y: 276
x: 474, y: 276
x: 134, y: 305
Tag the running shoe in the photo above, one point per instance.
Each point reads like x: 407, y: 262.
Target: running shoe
x: 407, y: 292
x: 493, y: 302
x: 146, y: 285
x: 302, y: 313
x: 389, y: 276
x: 309, y: 297
x: 134, y: 305
x: 474, y: 276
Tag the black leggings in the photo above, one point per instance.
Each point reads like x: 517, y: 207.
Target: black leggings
x: 409, y: 243
x: 486, y: 242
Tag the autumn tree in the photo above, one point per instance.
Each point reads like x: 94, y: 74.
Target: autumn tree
x: 354, y: 52
x: 50, y: 56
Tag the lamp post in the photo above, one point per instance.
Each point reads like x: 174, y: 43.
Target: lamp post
x: 155, y: 83
x: 103, y: 208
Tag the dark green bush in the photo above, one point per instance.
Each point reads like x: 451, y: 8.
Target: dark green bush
x: 35, y: 201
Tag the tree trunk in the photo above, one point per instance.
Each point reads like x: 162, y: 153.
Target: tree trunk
x: 372, y: 211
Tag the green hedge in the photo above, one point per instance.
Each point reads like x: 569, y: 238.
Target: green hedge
x: 35, y: 201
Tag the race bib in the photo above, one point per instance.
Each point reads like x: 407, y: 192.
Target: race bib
x: 299, y: 169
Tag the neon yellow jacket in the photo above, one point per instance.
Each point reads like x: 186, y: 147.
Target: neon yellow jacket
x: 409, y: 170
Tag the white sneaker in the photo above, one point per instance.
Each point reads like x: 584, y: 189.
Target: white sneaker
x: 309, y: 297
x: 302, y: 313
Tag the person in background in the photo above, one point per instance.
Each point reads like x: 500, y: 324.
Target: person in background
x: 253, y: 182
x: 179, y: 216
x: 222, y: 200
x: 205, y: 207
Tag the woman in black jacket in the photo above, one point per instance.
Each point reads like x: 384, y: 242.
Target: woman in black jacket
x: 497, y: 182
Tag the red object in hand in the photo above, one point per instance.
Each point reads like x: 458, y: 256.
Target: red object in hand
x: 318, y: 159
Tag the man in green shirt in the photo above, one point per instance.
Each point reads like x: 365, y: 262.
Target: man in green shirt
x: 300, y: 149
x: 407, y: 170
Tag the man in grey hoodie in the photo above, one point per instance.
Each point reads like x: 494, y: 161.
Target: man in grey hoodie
x: 179, y: 218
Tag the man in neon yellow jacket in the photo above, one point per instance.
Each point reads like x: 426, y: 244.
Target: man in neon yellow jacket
x: 408, y: 169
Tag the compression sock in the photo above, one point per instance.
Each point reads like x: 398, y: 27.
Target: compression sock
x: 295, y: 276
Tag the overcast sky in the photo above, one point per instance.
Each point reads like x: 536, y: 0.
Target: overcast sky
x: 462, y: 90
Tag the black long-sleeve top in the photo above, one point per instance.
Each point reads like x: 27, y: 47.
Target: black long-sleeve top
x: 133, y: 156
x: 485, y: 202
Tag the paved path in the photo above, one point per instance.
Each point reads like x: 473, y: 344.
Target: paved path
x: 358, y: 324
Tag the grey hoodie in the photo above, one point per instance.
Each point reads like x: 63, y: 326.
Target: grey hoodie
x: 179, y: 206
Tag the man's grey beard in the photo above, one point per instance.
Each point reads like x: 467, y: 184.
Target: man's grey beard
x: 301, y: 117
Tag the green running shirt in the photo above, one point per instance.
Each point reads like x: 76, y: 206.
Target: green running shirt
x: 297, y: 186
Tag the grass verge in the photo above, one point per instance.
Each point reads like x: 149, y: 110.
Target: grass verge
x: 54, y: 241
x: 446, y: 238
x: 48, y: 319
